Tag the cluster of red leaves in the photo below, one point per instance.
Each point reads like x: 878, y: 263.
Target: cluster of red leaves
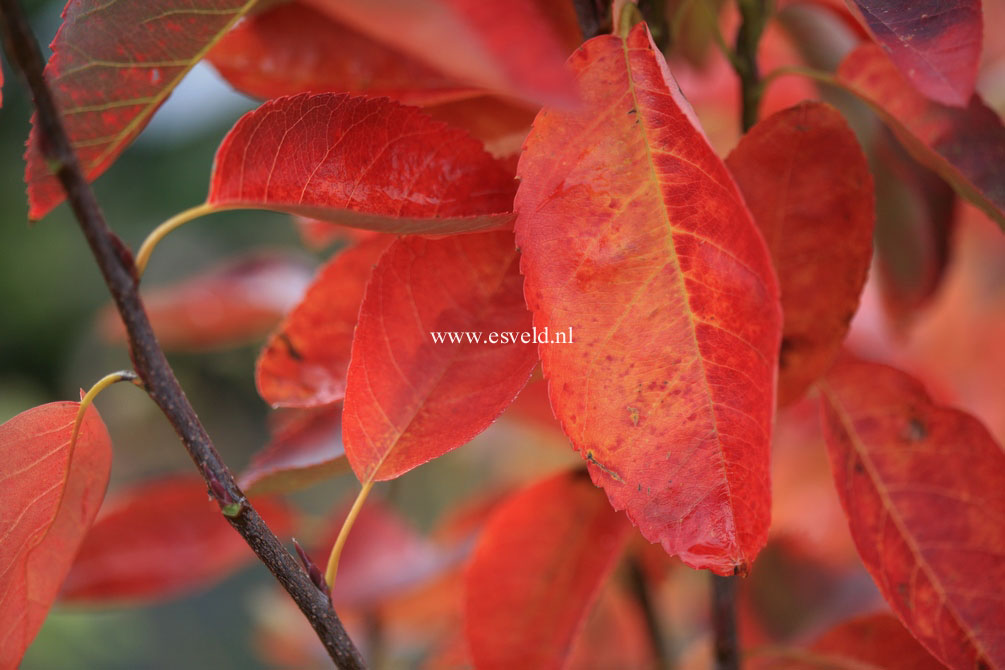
x: 701, y: 293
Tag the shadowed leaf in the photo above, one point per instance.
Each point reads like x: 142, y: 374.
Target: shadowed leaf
x: 292, y: 48
x: 924, y: 491
x: 936, y: 44
x: 965, y: 146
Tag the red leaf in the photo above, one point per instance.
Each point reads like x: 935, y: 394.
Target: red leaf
x: 508, y: 48
x: 966, y: 147
x: 502, y: 126
x: 635, y: 236
x: 305, y: 361
x: 409, y: 399
x: 49, y: 501
x: 924, y: 491
x: 870, y: 642
x: 808, y: 186
x: 368, y: 163
x: 292, y: 48
x: 914, y: 226
x: 112, y: 65
x: 306, y: 447
x: 161, y: 539
x: 936, y: 44
x: 230, y: 304
x: 536, y: 570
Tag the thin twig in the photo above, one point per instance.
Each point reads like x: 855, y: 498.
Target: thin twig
x: 594, y: 17
x: 639, y: 586
x: 727, y: 646
x: 754, y: 15
x: 119, y: 271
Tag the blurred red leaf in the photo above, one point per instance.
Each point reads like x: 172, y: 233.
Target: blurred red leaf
x: 368, y: 163
x: 935, y: 44
x: 306, y: 447
x: 229, y: 304
x: 113, y: 64
x: 536, y: 570
x: 914, y: 225
x: 409, y: 399
x: 50, y: 498
x: 924, y: 491
x: 383, y: 556
x: 304, y: 363
x: 293, y: 48
x: 966, y: 147
x: 318, y: 235
x: 874, y: 641
x: 161, y: 539
x: 501, y: 125
x: 510, y: 48
x: 635, y: 237
x: 807, y: 183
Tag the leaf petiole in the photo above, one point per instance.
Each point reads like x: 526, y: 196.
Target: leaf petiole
x: 343, y: 534
x: 88, y: 399
x: 162, y: 231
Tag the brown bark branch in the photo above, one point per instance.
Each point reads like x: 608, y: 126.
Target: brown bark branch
x: 754, y: 15
x: 727, y: 646
x: 119, y: 271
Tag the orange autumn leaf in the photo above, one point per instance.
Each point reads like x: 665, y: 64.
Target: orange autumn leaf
x: 536, y: 570
x: 232, y: 303
x: 873, y: 641
x: 305, y: 361
x: 410, y: 398
x: 362, y: 162
x: 513, y: 48
x: 634, y: 236
x: 161, y: 539
x: 50, y: 499
x: 923, y: 487
x: 807, y: 183
x: 293, y: 48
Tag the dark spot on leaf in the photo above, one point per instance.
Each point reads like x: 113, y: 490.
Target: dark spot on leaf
x: 915, y: 430
x: 290, y: 349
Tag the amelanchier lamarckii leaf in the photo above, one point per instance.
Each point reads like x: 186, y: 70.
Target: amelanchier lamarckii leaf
x: 305, y: 361
x: 232, y: 303
x: 305, y: 448
x: 112, y: 65
x: 634, y: 236
x: 413, y: 393
x: 807, y: 183
x: 536, y: 570
x: 49, y: 502
x: 292, y: 48
x: 923, y: 487
x: 363, y: 162
x: 870, y: 642
x: 513, y: 48
x: 160, y: 539
x: 935, y: 43
x: 965, y: 146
